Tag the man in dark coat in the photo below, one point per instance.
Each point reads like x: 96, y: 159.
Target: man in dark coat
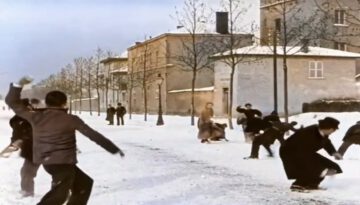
x: 301, y: 160
x: 276, y: 131
x: 110, y: 112
x: 352, y: 136
x: 120, y: 112
x: 22, y: 138
x: 54, y: 145
x: 253, y: 123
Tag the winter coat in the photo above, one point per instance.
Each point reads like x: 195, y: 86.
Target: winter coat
x: 110, y: 112
x: 299, y: 154
x: 249, y: 113
x: 120, y: 111
x: 255, y: 124
x: 353, y: 134
x: 54, y: 132
x: 269, y: 119
x: 276, y: 131
x: 22, y: 131
x: 205, y: 124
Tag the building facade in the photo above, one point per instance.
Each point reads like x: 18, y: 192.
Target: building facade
x: 165, y: 56
x: 114, y: 76
x: 338, y: 20
x: 318, y: 74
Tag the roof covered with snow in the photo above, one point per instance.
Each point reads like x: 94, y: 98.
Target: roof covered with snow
x: 204, y: 89
x: 124, y: 54
x: 291, y: 51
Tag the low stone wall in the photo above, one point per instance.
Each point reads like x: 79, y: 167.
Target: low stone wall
x: 332, y: 105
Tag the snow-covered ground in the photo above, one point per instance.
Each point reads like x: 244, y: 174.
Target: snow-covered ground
x: 167, y: 165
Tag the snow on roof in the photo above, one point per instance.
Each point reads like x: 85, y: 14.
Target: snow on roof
x: 203, y: 29
x: 124, y: 54
x: 293, y: 51
x: 204, y: 89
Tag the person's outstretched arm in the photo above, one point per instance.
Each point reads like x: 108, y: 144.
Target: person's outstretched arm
x: 97, y: 137
x: 13, y: 100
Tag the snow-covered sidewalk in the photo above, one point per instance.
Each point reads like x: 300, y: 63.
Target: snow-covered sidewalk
x: 167, y: 165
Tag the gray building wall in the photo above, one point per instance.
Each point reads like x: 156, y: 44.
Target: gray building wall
x: 254, y: 83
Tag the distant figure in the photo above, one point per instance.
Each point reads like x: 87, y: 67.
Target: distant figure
x: 120, y: 112
x: 275, y: 131
x: 301, y: 160
x: 352, y: 136
x: 251, y: 123
x: 205, y: 123
x: 110, y: 112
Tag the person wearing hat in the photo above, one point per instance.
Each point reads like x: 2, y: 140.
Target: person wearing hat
x: 252, y: 123
x: 301, y: 160
x: 352, y: 136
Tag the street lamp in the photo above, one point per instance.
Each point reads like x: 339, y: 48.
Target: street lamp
x: 159, y: 82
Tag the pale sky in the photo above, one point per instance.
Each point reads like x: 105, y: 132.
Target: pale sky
x: 39, y: 37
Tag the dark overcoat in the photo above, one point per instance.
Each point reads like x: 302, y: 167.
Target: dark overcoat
x: 276, y: 131
x: 54, y: 139
x: 353, y: 134
x: 299, y: 154
x: 22, y: 131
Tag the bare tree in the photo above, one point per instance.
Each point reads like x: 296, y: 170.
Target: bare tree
x: 89, y: 64
x: 98, y: 84
x: 195, y: 54
x: 296, y: 31
x: 79, y: 66
x: 231, y: 41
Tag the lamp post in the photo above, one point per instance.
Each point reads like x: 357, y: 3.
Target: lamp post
x: 159, y: 81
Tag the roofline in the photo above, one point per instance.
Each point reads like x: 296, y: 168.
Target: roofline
x: 281, y: 55
x: 109, y: 59
x: 274, y: 4
x: 181, y: 34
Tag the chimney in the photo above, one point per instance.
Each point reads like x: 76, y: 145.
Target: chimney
x: 305, y: 45
x: 222, y: 21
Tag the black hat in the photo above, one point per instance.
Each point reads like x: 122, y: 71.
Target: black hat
x: 329, y: 122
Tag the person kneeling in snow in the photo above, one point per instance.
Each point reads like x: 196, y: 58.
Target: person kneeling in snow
x: 301, y: 160
x: 54, y: 145
x: 276, y: 131
x: 352, y: 136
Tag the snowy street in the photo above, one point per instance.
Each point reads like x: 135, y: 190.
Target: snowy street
x: 167, y: 165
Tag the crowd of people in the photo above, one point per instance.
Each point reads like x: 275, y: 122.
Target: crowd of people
x: 46, y: 137
x: 298, y: 152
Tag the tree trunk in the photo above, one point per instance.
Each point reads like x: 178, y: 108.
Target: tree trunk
x: 231, y: 97
x: 89, y: 90
x: 193, y: 98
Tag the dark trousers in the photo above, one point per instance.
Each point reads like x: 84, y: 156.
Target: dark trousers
x: 118, y: 117
x: 28, y: 173
x: 344, y: 146
x: 67, y: 179
x: 256, y: 146
x: 111, y: 119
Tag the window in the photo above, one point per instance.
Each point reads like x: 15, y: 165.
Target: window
x: 278, y: 24
x: 340, y: 16
x: 316, y: 70
x: 340, y: 46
